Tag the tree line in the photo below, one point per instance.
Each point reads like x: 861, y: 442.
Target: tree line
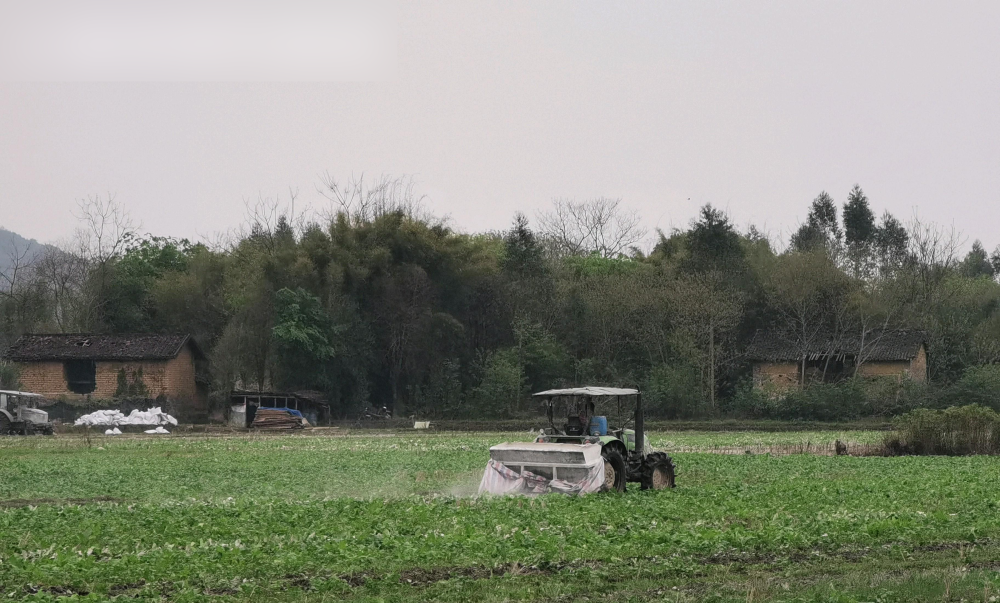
x: 378, y: 302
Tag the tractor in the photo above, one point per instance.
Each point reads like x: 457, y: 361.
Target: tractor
x: 19, y: 414
x: 567, y: 458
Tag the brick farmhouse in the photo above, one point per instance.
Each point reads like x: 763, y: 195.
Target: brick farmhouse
x: 75, y: 367
x: 782, y: 360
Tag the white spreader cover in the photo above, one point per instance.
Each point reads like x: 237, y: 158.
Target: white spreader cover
x: 539, y: 467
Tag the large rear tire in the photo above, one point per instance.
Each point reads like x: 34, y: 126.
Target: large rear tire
x: 614, y: 470
x: 4, y: 424
x: 658, y: 472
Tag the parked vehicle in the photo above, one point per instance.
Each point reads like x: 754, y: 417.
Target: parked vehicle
x: 371, y: 416
x: 19, y: 414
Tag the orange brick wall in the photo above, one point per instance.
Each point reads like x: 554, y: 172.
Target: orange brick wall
x: 49, y: 378
x: 918, y: 366
x: 179, y: 374
x: 173, y: 379
x: 46, y: 378
x: 777, y: 374
x: 180, y: 380
x: 915, y: 369
x: 785, y: 375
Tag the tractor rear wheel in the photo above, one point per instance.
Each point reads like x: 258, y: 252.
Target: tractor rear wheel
x: 657, y: 471
x: 614, y: 470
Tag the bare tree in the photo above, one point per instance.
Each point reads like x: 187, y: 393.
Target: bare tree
x: 933, y: 254
x: 106, y: 228
x: 598, y: 225
x: 19, y: 261
x: 805, y: 289
x: 103, y: 237
x: 362, y: 201
x: 20, y: 295
x: 261, y: 221
x: 63, y: 274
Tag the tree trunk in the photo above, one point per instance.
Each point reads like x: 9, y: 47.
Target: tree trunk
x: 711, y: 366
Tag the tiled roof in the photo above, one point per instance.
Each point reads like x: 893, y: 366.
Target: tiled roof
x: 83, y: 346
x: 879, y: 346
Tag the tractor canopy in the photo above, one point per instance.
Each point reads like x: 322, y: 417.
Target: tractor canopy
x: 587, y: 391
x: 587, y: 408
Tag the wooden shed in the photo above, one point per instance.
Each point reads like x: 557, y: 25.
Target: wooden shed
x: 244, y: 404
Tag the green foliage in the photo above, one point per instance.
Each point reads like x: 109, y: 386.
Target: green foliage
x: 544, y: 359
x: 130, y: 384
x: 979, y: 385
x: 10, y: 375
x: 305, y: 340
x: 442, y: 394
x: 821, y: 230
x: 824, y: 402
x: 193, y: 300
x: 859, y: 220
x: 977, y: 263
x: 752, y: 402
x: 892, y: 238
x: 963, y: 430
x: 523, y: 254
x: 503, y: 387
x: 301, y: 325
x: 712, y: 243
x: 843, y: 401
x: 674, y: 392
x: 594, y: 265
x: 127, y: 306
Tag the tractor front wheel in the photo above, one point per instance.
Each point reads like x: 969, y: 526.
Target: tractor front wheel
x: 614, y: 470
x: 657, y: 471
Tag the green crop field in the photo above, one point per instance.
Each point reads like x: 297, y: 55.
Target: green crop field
x: 392, y: 517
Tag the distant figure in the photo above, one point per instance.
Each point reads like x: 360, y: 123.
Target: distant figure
x: 840, y: 447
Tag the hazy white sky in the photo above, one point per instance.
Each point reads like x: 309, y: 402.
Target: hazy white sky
x: 496, y: 107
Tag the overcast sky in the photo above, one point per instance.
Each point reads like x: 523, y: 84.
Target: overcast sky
x: 498, y: 107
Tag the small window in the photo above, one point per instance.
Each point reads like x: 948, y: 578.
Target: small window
x: 81, y: 376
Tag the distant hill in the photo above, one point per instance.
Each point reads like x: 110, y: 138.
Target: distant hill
x: 11, y: 243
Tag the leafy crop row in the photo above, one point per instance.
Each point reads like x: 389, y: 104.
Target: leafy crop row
x: 230, y: 516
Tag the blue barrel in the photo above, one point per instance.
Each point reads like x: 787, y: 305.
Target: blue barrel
x: 599, y: 426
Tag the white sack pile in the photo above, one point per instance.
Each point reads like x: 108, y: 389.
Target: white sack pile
x: 157, y: 430
x: 114, y: 431
x: 112, y: 418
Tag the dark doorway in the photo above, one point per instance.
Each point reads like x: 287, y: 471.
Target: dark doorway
x: 81, y: 376
x: 829, y: 369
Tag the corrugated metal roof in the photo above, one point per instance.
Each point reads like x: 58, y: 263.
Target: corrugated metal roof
x: 879, y: 346
x: 589, y: 391
x: 83, y: 346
